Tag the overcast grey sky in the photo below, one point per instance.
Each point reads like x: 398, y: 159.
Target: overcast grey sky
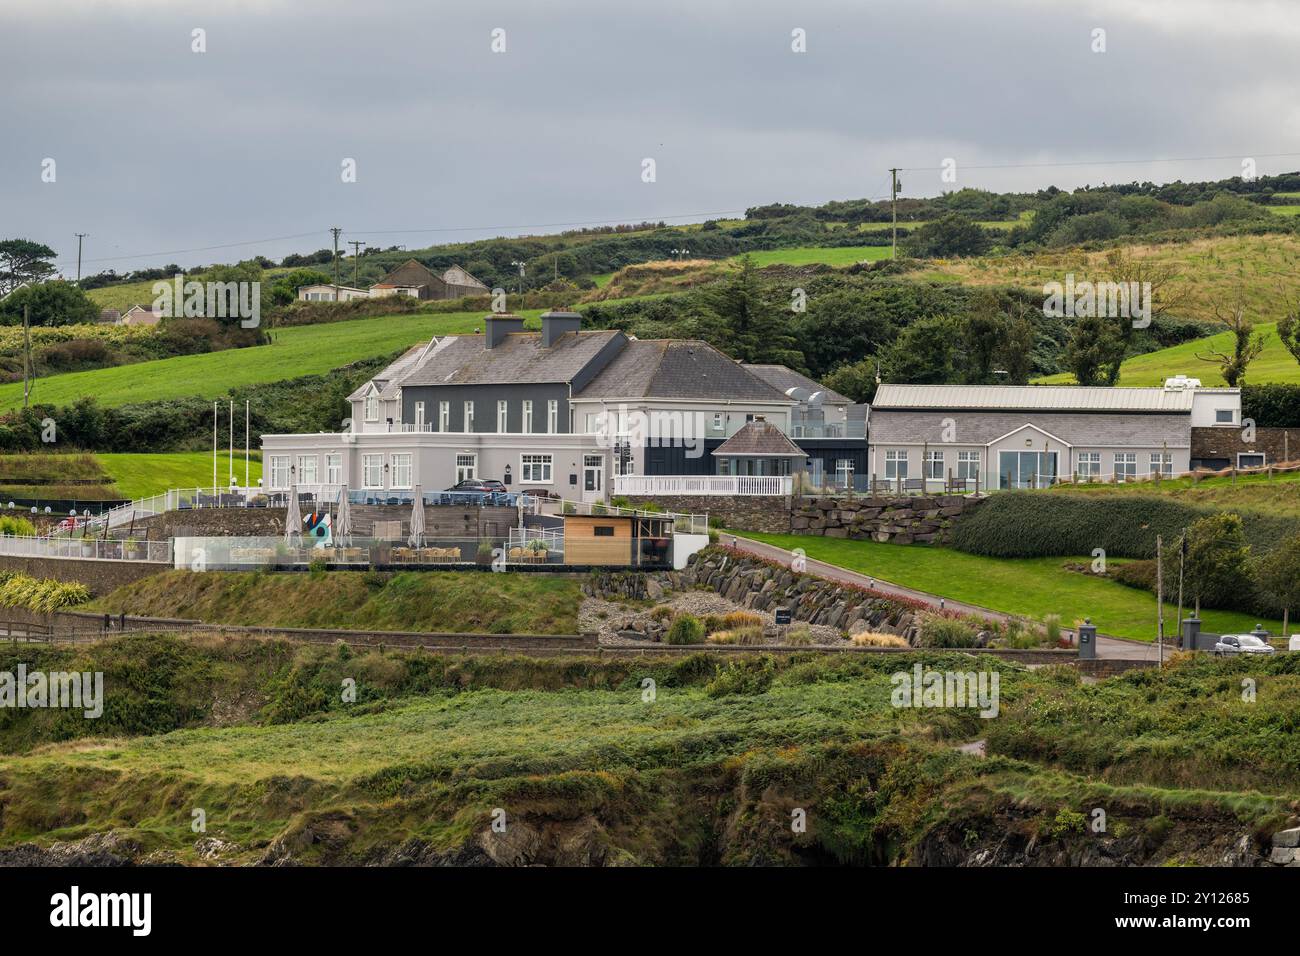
x: 158, y: 148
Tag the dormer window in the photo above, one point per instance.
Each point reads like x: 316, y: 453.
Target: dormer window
x: 372, y: 406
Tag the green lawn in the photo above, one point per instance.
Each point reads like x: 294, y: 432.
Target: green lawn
x: 296, y: 351
x: 1274, y: 364
x: 137, y: 476
x: 807, y: 255
x: 1032, y: 587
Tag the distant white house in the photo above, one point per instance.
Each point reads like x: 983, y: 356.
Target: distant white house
x: 330, y: 293
x: 139, y: 315
x: 1021, y: 436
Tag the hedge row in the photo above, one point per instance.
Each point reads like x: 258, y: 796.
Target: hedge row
x: 42, y: 595
x: 1275, y: 405
x: 1030, y: 524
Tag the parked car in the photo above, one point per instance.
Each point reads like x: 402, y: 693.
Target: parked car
x: 480, y: 485
x: 540, y: 493
x: 1241, y: 644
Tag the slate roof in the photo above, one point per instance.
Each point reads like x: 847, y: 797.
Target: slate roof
x: 782, y: 379
x: 386, y: 379
x: 759, y: 439
x: 678, y: 368
x: 1034, y: 398
x: 890, y: 426
x: 518, y: 359
x: 410, y: 274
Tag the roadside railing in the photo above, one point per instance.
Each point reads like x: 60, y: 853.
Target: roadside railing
x: 720, y: 485
x: 101, y: 549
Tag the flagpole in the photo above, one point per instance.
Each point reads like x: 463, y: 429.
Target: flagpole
x: 230, y: 457
x: 214, y: 449
x: 245, y: 443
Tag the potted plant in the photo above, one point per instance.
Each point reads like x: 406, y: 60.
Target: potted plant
x: 134, y: 549
x: 484, y: 554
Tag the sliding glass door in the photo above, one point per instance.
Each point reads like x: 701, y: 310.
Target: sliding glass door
x: 1026, y: 469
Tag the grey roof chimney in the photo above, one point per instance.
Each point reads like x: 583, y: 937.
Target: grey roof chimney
x: 555, y: 324
x: 497, y: 327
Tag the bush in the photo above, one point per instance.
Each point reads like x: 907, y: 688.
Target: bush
x: 798, y: 636
x: 42, y: 596
x: 753, y: 676
x: 685, y: 629
x: 12, y: 525
x: 938, y: 630
x: 737, y: 619
x: 872, y: 639
x: 1136, y: 574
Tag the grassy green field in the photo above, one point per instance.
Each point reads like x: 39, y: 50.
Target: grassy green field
x: 705, y: 772
x: 1274, y: 363
x: 827, y: 255
x: 141, y: 475
x: 454, y: 601
x: 1031, y: 587
x: 295, y: 351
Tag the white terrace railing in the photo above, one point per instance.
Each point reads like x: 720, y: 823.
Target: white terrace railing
x: 720, y: 485
x: 105, y: 550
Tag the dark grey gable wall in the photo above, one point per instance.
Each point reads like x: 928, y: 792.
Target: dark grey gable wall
x: 485, y: 398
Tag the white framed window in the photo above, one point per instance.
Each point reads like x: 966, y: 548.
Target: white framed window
x: 444, y: 416
x: 719, y: 422
x: 503, y: 415
x: 307, y: 470
x: 334, y: 469
x: 469, y: 417
x: 1162, y: 463
x: 372, y: 471
x: 896, y: 463
x: 401, y: 464
x: 279, y: 472
x: 536, y: 469
x: 1224, y: 416
x: 528, y: 416
x: 466, y: 467
x: 968, y: 465
x: 1125, y: 465
x: 419, y: 416
x: 844, y: 472
x: 934, y: 464
x: 552, y: 416
x: 1088, y: 465
x: 372, y: 406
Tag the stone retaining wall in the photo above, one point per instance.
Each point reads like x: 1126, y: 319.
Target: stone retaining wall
x: 100, y: 575
x: 900, y: 520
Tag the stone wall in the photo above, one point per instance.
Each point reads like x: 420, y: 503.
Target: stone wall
x: 900, y: 520
x: 101, y: 576
x: 749, y: 513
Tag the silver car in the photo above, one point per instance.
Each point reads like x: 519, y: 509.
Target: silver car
x: 1241, y: 644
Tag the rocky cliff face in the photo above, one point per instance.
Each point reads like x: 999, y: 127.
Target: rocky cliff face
x: 761, y: 585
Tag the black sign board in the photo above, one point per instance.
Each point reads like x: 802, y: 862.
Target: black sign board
x: 783, y: 615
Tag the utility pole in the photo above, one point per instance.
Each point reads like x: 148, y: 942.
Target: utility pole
x: 356, y: 257
x: 80, y: 236
x: 27, y: 354
x: 336, y: 230
x: 1182, y: 557
x: 520, y: 264
x: 1160, y: 600
x: 893, y: 202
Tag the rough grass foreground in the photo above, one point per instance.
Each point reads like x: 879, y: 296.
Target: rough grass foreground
x: 707, y: 764
x: 466, y: 602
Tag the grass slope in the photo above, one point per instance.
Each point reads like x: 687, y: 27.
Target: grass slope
x: 1274, y: 363
x: 706, y: 772
x: 296, y: 351
x: 140, y: 475
x: 808, y: 255
x: 1032, y: 587
x: 453, y: 601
